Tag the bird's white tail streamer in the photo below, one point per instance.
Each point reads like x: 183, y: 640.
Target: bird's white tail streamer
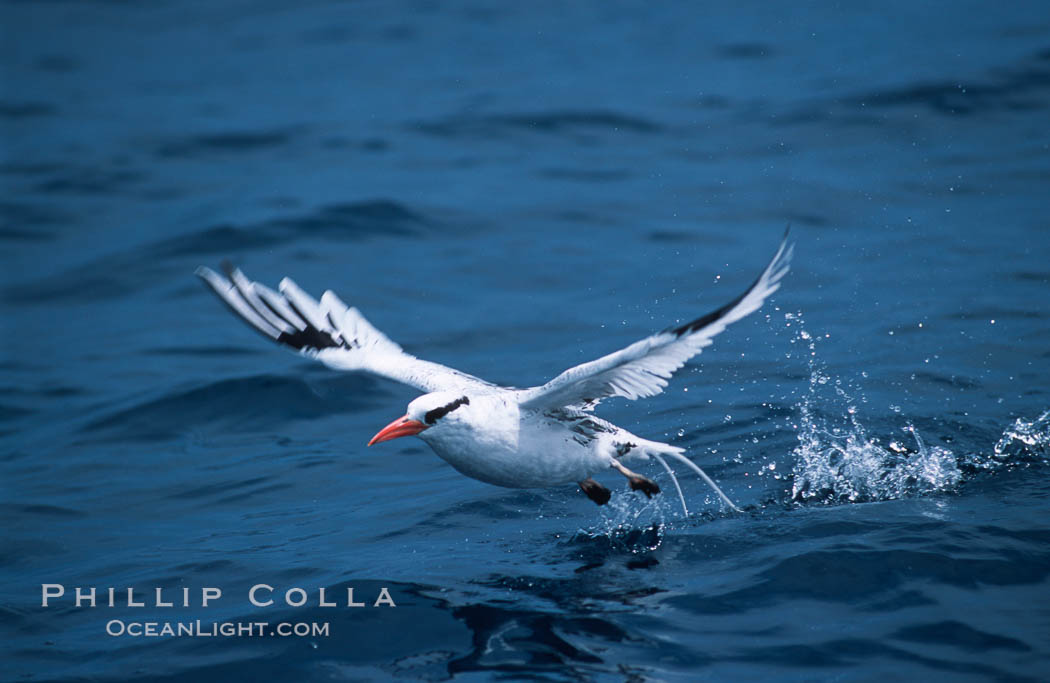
x: 685, y: 508
x: 703, y: 475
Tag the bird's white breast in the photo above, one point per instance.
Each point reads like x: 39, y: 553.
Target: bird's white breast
x: 509, y: 448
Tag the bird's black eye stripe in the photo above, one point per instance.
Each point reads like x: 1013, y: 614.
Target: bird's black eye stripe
x: 436, y: 414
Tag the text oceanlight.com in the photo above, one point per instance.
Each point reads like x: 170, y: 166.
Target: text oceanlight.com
x: 199, y: 629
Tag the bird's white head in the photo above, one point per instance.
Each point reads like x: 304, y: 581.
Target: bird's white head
x: 439, y: 411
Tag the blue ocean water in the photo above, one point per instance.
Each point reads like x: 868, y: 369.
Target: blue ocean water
x: 511, y: 190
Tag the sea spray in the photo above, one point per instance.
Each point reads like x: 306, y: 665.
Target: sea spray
x: 836, y: 460
x: 1024, y: 443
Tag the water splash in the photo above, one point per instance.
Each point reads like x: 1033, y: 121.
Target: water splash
x: 836, y: 460
x: 626, y: 514
x: 835, y: 465
x: 1023, y: 443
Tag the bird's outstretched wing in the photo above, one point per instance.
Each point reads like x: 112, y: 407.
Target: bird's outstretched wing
x: 643, y: 368
x: 328, y: 330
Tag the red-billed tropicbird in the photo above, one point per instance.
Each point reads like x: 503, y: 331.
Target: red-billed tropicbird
x: 519, y: 438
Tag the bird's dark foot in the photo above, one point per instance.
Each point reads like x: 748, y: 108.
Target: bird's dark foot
x: 595, y: 491
x: 637, y: 481
x: 643, y: 484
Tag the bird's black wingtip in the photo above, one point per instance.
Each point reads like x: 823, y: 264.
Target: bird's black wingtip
x: 783, y: 256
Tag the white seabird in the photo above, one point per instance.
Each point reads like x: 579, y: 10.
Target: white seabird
x: 519, y: 438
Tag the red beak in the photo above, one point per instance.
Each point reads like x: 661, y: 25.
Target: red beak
x: 402, y: 426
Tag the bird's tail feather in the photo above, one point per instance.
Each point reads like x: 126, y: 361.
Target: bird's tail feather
x: 703, y: 475
x: 657, y: 450
x: 685, y: 508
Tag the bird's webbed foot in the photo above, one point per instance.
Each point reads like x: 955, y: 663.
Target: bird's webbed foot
x: 637, y: 481
x: 595, y: 491
x: 643, y: 484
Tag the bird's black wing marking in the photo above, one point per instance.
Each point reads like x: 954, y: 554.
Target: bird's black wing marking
x: 309, y: 338
x: 329, y: 331
x: 704, y: 321
x: 644, y: 368
x: 269, y: 313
